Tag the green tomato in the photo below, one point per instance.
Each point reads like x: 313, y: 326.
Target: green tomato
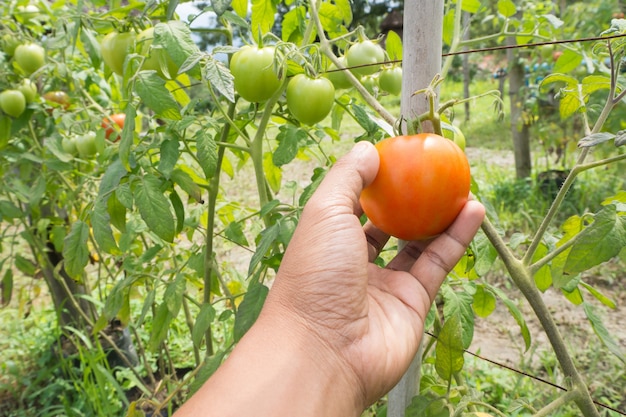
x: 370, y: 82
x: 338, y: 78
x: 253, y: 71
x: 310, y: 99
x: 29, y: 89
x: 455, y: 134
x: 155, y: 59
x: 30, y: 57
x: 115, y: 46
x: 69, y: 145
x: 365, y: 53
x: 12, y: 102
x: 86, y: 145
x: 390, y: 80
x: 9, y: 43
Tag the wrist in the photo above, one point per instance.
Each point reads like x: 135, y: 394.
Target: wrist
x: 279, y: 368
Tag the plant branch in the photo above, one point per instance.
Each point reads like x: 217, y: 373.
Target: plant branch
x: 561, y: 400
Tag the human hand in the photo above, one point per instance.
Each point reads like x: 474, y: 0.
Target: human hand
x: 336, y: 331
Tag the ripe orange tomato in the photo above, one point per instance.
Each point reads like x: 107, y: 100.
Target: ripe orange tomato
x: 422, y: 184
x: 111, y: 131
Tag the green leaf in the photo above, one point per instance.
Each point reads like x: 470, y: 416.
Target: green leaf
x: 593, y: 83
x: 234, y: 233
x: 160, y: 326
x: 187, y: 184
x: 207, y: 153
x: 603, y: 334
x: 273, y: 174
x: 289, y: 140
x: 173, y: 296
x: 598, y: 242
x: 175, y: 37
x: 595, y: 139
x: 574, y: 295
x: 202, y: 324
x: 8, y: 210
x: 484, y: 301
x: 117, y: 212
x: 543, y: 277
x: 448, y: 26
x: 240, y: 7
x: 568, y: 61
x: 169, y: 154
x: 249, y: 309
x: 599, y: 296
x: 179, y: 210
x: 449, y: 349
x: 294, y: 25
x: 154, y: 207
x: 393, y: 46
x: 484, y: 252
x: 219, y: 77
x: 220, y: 6
x: 262, y: 19
x: 152, y: 91
x: 364, y: 120
x: 25, y: 265
x: 6, y: 287
x: 459, y: 304
x: 470, y: 6
x: 75, y: 251
x: 101, y: 225
x: 506, y: 8
x: 345, y: 8
x: 268, y: 237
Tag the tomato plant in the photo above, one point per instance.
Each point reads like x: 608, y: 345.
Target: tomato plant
x: 364, y: 56
x: 253, y: 70
x: 390, y: 80
x: 30, y: 57
x: 408, y: 199
x: 115, y: 46
x: 155, y: 59
x: 12, y: 102
x: 69, y: 145
x: 112, y: 125
x: 310, y: 99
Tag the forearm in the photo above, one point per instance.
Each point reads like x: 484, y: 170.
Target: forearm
x: 275, y: 371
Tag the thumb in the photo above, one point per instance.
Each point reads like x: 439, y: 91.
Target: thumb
x: 343, y: 184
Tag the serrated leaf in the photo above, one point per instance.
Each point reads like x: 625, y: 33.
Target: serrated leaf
x: 154, y: 207
x: 552, y: 19
x: 289, y: 139
x: 220, y: 6
x: 240, y: 7
x: 449, y: 349
x: 262, y: 19
x: 203, y: 322
x: 569, y: 105
x: 484, y: 252
x: 593, y: 83
x: 152, y: 91
x: 620, y: 140
x: 459, y: 303
x: 187, y: 184
x: 249, y: 309
x: 595, y: 139
x: 603, y: 334
x: 484, y: 301
x: 220, y: 78
x: 25, y: 265
x: 393, y: 45
x: 597, y: 243
x: 234, y: 233
x: 101, y: 225
x: 470, y: 6
x: 117, y: 213
x: 175, y: 37
x: 294, y: 25
x: 207, y: 153
x: 75, y: 251
x: 363, y: 119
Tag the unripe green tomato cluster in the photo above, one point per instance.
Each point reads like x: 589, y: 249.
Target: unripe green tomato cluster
x: 85, y: 145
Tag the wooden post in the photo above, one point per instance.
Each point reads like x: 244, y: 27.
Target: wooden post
x: 422, y: 47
